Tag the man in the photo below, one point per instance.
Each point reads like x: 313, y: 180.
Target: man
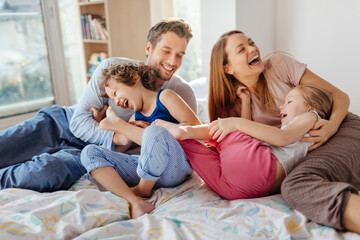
x: 43, y: 153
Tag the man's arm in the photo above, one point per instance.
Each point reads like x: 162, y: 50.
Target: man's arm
x: 82, y: 123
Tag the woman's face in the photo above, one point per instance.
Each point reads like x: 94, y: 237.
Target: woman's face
x: 124, y: 96
x: 243, y: 58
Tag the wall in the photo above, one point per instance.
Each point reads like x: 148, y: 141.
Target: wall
x: 325, y: 34
x: 217, y: 17
x: 256, y: 18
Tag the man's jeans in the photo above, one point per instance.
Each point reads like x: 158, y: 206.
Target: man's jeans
x: 41, y: 153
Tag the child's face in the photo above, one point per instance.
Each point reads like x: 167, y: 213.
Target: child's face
x: 124, y: 96
x: 294, y: 105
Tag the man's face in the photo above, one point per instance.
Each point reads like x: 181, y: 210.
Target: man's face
x: 166, y: 57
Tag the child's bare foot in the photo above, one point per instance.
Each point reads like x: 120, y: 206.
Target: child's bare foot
x: 139, y: 208
x: 110, y: 121
x: 173, y: 129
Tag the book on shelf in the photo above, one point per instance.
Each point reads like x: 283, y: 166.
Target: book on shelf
x: 94, y: 27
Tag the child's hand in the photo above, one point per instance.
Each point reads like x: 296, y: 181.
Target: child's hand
x: 243, y: 93
x: 222, y: 127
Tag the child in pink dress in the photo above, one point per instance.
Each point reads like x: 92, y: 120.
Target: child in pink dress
x: 252, y: 158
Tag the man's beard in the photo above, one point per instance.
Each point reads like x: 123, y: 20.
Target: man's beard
x: 158, y: 75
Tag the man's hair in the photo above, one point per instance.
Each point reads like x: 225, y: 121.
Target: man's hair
x: 126, y: 73
x: 175, y: 25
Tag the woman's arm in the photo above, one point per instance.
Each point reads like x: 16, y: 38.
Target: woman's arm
x: 245, y: 98
x: 324, y: 129
x: 270, y: 134
x: 178, y: 108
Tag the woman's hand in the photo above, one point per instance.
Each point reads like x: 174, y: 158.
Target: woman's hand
x: 320, y: 133
x: 222, y: 127
x: 243, y: 93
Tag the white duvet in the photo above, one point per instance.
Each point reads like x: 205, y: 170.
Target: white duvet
x: 189, y: 211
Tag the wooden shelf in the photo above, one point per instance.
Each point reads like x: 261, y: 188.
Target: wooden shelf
x: 127, y: 23
x: 91, y: 3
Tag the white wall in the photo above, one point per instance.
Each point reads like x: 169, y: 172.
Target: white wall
x: 256, y: 18
x: 217, y: 17
x: 325, y: 34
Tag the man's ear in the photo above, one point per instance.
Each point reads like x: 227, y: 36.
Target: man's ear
x: 148, y: 48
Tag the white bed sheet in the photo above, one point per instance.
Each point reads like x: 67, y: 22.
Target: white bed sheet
x: 189, y: 211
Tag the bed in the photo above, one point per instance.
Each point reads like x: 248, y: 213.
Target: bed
x: 190, y: 211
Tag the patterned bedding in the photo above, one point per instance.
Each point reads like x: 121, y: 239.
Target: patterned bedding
x: 189, y: 211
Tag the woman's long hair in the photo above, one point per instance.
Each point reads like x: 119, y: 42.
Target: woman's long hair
x: 222, y: 86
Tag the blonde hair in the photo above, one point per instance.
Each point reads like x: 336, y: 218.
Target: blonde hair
x: 317, y: 98
x: 125, y: 73
x: 222, y: 86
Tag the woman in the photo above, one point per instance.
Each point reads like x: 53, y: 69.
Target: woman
x: 324, y: 187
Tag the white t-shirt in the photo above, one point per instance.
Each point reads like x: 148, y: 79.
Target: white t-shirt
x: 289, y: 155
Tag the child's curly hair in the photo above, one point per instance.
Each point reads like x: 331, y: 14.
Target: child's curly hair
x: 126, y: 73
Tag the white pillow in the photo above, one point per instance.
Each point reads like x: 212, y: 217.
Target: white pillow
x: 201, y: 89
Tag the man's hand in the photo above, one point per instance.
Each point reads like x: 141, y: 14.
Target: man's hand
x: 98, y: 115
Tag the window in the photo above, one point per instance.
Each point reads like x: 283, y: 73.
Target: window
x: 40, y: 57
x: 25, y: 79
x: 189, y: 10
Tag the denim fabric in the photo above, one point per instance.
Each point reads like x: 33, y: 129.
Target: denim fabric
x: 41, y: 153
x: 162, y: 159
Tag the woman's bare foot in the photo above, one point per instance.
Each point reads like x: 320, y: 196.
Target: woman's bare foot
x: 139, y: 208
x: 111, y: 120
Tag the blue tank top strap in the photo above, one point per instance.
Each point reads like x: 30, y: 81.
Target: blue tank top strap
x: 160, y: 112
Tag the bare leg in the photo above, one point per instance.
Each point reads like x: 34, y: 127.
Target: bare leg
x: 174, y: 129
x: 280, y: 176
x: 351, y: 219
x: 200, y: 132
x: 110, y: 179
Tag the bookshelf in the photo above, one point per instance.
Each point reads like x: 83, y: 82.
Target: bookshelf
x: 126, y: 24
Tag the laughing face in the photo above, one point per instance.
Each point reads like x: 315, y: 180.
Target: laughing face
x: 294, y: 105
x: 166, y: 56
x: 124, y: 96
x: 243, y: 57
